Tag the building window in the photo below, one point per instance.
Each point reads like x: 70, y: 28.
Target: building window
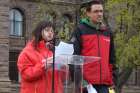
x: 16, y: 23
x: 13, y: 71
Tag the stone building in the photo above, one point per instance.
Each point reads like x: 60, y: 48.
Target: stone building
x: 17, y: 20
x: 4, y: 46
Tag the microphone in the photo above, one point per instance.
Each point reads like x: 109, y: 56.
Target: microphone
x: 50, y: 44
x: 101, y: 25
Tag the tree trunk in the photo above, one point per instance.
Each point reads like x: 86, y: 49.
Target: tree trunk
x: 123, y: 78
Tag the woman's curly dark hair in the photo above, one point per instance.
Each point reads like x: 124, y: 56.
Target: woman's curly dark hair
x: 37, y: 32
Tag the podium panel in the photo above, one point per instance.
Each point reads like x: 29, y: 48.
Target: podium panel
x: 68, y: 73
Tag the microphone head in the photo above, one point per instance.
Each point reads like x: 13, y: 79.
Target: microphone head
x: 103, y: 27
x: 100, y: 20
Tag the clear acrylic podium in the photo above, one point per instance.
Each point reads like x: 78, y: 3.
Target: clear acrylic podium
x: 68, y: 69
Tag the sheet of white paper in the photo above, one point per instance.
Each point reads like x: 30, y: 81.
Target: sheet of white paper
x: 91, y: 89
x: 64, y: 49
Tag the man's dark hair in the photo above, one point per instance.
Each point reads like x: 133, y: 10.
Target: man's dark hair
x: 93, y: 2
x: 37, y: 32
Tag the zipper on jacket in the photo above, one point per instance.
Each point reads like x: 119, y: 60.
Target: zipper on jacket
x: 36, y: 88
x: 99, y: 55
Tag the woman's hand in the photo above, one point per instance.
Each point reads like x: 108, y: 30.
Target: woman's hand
x: 44, y: 61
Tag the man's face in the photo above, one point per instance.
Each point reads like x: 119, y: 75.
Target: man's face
x: 96, y: 13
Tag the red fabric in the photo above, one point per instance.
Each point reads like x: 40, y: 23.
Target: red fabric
x: 34, y: 77
x: 97, y: 72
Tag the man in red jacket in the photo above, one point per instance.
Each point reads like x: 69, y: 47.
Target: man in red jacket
x: 92, y: 38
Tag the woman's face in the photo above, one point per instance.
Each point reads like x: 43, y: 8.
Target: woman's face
x: 47, y: 33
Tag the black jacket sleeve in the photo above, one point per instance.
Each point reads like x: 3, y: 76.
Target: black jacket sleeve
x: 75, y: 69
x: 76, y: 41
x: 113, y: 59
x: 112, y: 50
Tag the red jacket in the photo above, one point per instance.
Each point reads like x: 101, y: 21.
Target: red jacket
x: 88, y: 41
x: 34, y: 77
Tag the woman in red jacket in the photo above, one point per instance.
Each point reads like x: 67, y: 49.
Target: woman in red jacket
x: 35, y: 76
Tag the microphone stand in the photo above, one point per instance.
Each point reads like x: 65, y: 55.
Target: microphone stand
x: 53, y: 65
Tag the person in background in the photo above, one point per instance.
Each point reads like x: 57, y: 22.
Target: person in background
x: 92, y: 38
x: 36, y: 77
